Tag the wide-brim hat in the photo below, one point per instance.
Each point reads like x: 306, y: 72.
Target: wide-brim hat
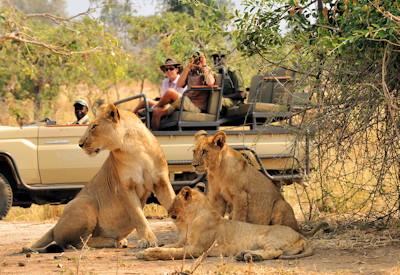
x: 81, y: 102
x: 170, y: 62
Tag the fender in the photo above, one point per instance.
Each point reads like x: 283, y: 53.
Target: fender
x: 20, y: 184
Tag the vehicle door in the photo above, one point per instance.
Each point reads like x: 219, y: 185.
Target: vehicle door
x: 61, y: 160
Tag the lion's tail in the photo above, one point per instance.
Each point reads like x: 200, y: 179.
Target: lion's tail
x: 45, y: 244
x: 321, y: 225
x: 307, y: 252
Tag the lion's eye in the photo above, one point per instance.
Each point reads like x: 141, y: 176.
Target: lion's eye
x: 203, y: 152
x: 93, y: 127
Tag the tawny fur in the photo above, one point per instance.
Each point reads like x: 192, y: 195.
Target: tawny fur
x: 233, y: 181
x: 203, y: 229
x: 109, y: 207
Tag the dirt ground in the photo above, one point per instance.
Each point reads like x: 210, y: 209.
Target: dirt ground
x: 351, y: 251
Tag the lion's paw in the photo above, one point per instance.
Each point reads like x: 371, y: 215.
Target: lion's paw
x: 143, y: 243
x: 247, y: 256
x: 252, y: 257
x: 122, y: 243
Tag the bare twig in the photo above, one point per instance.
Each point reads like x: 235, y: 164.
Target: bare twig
x: 203, y: 256
x: 58, y: 19
x: 83, y: 249
x: 390, y: 101
x: 386, y: 14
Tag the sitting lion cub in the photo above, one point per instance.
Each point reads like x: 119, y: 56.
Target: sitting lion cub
x: 233, y: 182
x: 109, y: 207
x: 206, y: 230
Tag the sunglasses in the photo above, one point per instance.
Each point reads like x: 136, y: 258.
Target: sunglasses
x: 169, y: 69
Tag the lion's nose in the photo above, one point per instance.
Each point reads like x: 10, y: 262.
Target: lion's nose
x: 81, y: 145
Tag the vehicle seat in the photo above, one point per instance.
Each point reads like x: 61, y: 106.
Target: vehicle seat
x: 182, y: 119
x: 270, y: 98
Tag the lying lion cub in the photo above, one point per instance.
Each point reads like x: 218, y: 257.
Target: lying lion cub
x: 109, y: 207
x: 234, y: 182
x: 206, y: 230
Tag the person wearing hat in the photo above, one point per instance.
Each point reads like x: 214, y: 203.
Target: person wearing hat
x: 171, y: 70
x: 195, y: 101
x: 81, y: 112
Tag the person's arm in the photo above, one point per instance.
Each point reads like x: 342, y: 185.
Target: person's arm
x: 183, y: 78
x: 208, y: 75
x: 209, y: 78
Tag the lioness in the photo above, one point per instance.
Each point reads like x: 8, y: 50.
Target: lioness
x: 109, y: 207
x: 206, y: 230
x: 233, y: 181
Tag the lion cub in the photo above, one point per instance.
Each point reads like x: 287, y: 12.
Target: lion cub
x: 233, y: 181
x: 205, y: 230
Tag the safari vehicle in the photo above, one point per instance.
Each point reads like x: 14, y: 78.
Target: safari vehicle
x: 43, y: 164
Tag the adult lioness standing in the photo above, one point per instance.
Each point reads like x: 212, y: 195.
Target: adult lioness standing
x: 109, y: 207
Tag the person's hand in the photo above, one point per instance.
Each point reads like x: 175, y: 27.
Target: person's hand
x: 191, y: 63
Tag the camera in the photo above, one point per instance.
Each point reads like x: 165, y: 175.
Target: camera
x: 196, y: 58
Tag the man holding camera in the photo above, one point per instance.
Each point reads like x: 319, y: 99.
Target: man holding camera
x: 195, y: 101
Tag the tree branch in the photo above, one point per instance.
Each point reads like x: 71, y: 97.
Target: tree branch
x: 58, y: 19
x: 17, y: 36
x: 387, y: 14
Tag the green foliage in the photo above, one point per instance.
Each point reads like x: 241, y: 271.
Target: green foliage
x: 45, y: 56
x: 340, y: 26
x: 113, y: 12
x: 346, y: 54
x: 178, y: 6
x: 177, y: 35
x: 191, y: 7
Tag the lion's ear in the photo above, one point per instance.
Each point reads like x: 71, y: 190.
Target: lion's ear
x: 219, y: 139
x: 186, y: 193
x: 113, y: 113
x: 200, y: 134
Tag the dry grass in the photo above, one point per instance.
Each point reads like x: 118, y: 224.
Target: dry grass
x: 35, y: 213
x: 154, y: 210
x: 39, y: 213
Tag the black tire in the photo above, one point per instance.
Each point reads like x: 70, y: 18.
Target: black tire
x: 6, y: 197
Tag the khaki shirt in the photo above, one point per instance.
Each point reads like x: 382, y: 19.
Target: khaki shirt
x: 82, y: 121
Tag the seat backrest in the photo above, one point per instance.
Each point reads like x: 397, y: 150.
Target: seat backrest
x: 214, y: 100
x: 218, y: 79
x: 283, y: 80
x: 260, y: 91
x: 272, y: 87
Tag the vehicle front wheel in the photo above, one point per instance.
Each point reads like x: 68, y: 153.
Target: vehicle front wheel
x: 6, y: 197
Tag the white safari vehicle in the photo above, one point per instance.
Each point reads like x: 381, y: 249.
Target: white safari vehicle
x: 43, y: 163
